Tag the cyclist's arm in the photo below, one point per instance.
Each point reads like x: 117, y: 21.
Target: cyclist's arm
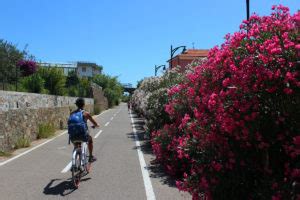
x: 89, y: 117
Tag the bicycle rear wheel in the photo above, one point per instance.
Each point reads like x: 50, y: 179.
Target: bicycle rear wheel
x: 76, y: 172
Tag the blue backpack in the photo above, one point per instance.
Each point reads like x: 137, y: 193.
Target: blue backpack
x: 77, y: 127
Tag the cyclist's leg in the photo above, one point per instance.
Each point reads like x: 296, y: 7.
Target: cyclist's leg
x: 91, y: 147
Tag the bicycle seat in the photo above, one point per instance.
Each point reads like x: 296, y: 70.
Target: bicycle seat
x: 77, y: 142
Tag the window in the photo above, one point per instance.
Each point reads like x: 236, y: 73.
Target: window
x: 83, y: 69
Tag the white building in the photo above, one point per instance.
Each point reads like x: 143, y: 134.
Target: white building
x: 83, y: 69
x: 87, y: 69
x: 66, y: 67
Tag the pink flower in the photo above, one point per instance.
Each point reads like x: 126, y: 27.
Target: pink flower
x: 289, y: 76
x: 296, y: 140
x: 185, y: 119
x: 295, y: 173
x: 191, y: 92
x: 203, y: 183
x: 276, y: 197
x: 217, y: 166
x: 233, y: 68
x: 274, y: 186
x: 212, y: 100
x: 226, y: 82
x: 276, y: 51
x: 287, y: 91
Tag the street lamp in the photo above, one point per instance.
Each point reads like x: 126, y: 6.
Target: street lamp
x: 173, y: 52
x: 248, y: 9
x: 157, y: 68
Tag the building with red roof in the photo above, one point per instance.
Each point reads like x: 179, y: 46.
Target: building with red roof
x: 188, y: 57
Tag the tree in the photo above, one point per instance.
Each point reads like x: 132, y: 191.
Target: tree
x: 55, y: 80
x: 84, y: 87
x: 9, y: 57
x: 111, y: 86
x: 72, y: 79
x: 34, y: 83
x: 102, y: 80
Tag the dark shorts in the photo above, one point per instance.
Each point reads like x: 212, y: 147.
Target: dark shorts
x: 84, y: 138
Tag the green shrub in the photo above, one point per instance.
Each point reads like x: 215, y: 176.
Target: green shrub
x: 54, y: 80
x: 5, y: 154
x: 34, y: 83
x: 46, y: 130
x: 72, y: 79
x: 22, y: 142
x: 84, y: 87
x: 97, y: 110
x: 10, y: 55
x: 125, y: 98
x: 73, y: 91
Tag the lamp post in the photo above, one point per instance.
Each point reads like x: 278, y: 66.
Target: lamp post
x: 173, y: 52
x: 248, y: 9
x: 157, y: 68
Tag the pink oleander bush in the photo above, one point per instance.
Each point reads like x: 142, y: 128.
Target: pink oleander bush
x: 235, y: 121
x: 151, y: 97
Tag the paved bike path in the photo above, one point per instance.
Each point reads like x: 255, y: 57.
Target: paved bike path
x: 115, y: 175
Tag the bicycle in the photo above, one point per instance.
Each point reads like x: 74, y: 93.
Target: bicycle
x: 80, y: 165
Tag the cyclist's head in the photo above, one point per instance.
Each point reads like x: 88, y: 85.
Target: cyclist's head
x: 80, y: 102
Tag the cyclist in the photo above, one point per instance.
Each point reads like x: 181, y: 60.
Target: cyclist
x: 80, y: 108
x: 128, y: 105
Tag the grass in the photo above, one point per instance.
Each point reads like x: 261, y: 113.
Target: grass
x: 97, y: 110
x: 5, y: 154
x: 46, y: 130
x: 22, y: 142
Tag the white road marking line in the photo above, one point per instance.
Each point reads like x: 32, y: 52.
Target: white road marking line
x: 147, y: 182
x: 106, y: 124
x: 97, y: 135
x: 29, y: 150
x: 111, y: 118
x: 102, y: 113
x: 67, y: 168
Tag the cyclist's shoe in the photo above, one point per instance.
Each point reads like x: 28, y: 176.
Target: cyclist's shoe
x: 81, y: 168
x: 75, y: 169
x: 92, y: 159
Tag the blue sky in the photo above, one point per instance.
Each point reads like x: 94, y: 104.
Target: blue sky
x: 127, y: 37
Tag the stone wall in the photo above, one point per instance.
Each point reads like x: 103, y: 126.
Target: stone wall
x: 22, y: 114
x: 16, y: 100
x: 100, y: 101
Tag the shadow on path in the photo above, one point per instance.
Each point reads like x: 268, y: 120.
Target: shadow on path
x: 62, y: 188
x: 155, y: 169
